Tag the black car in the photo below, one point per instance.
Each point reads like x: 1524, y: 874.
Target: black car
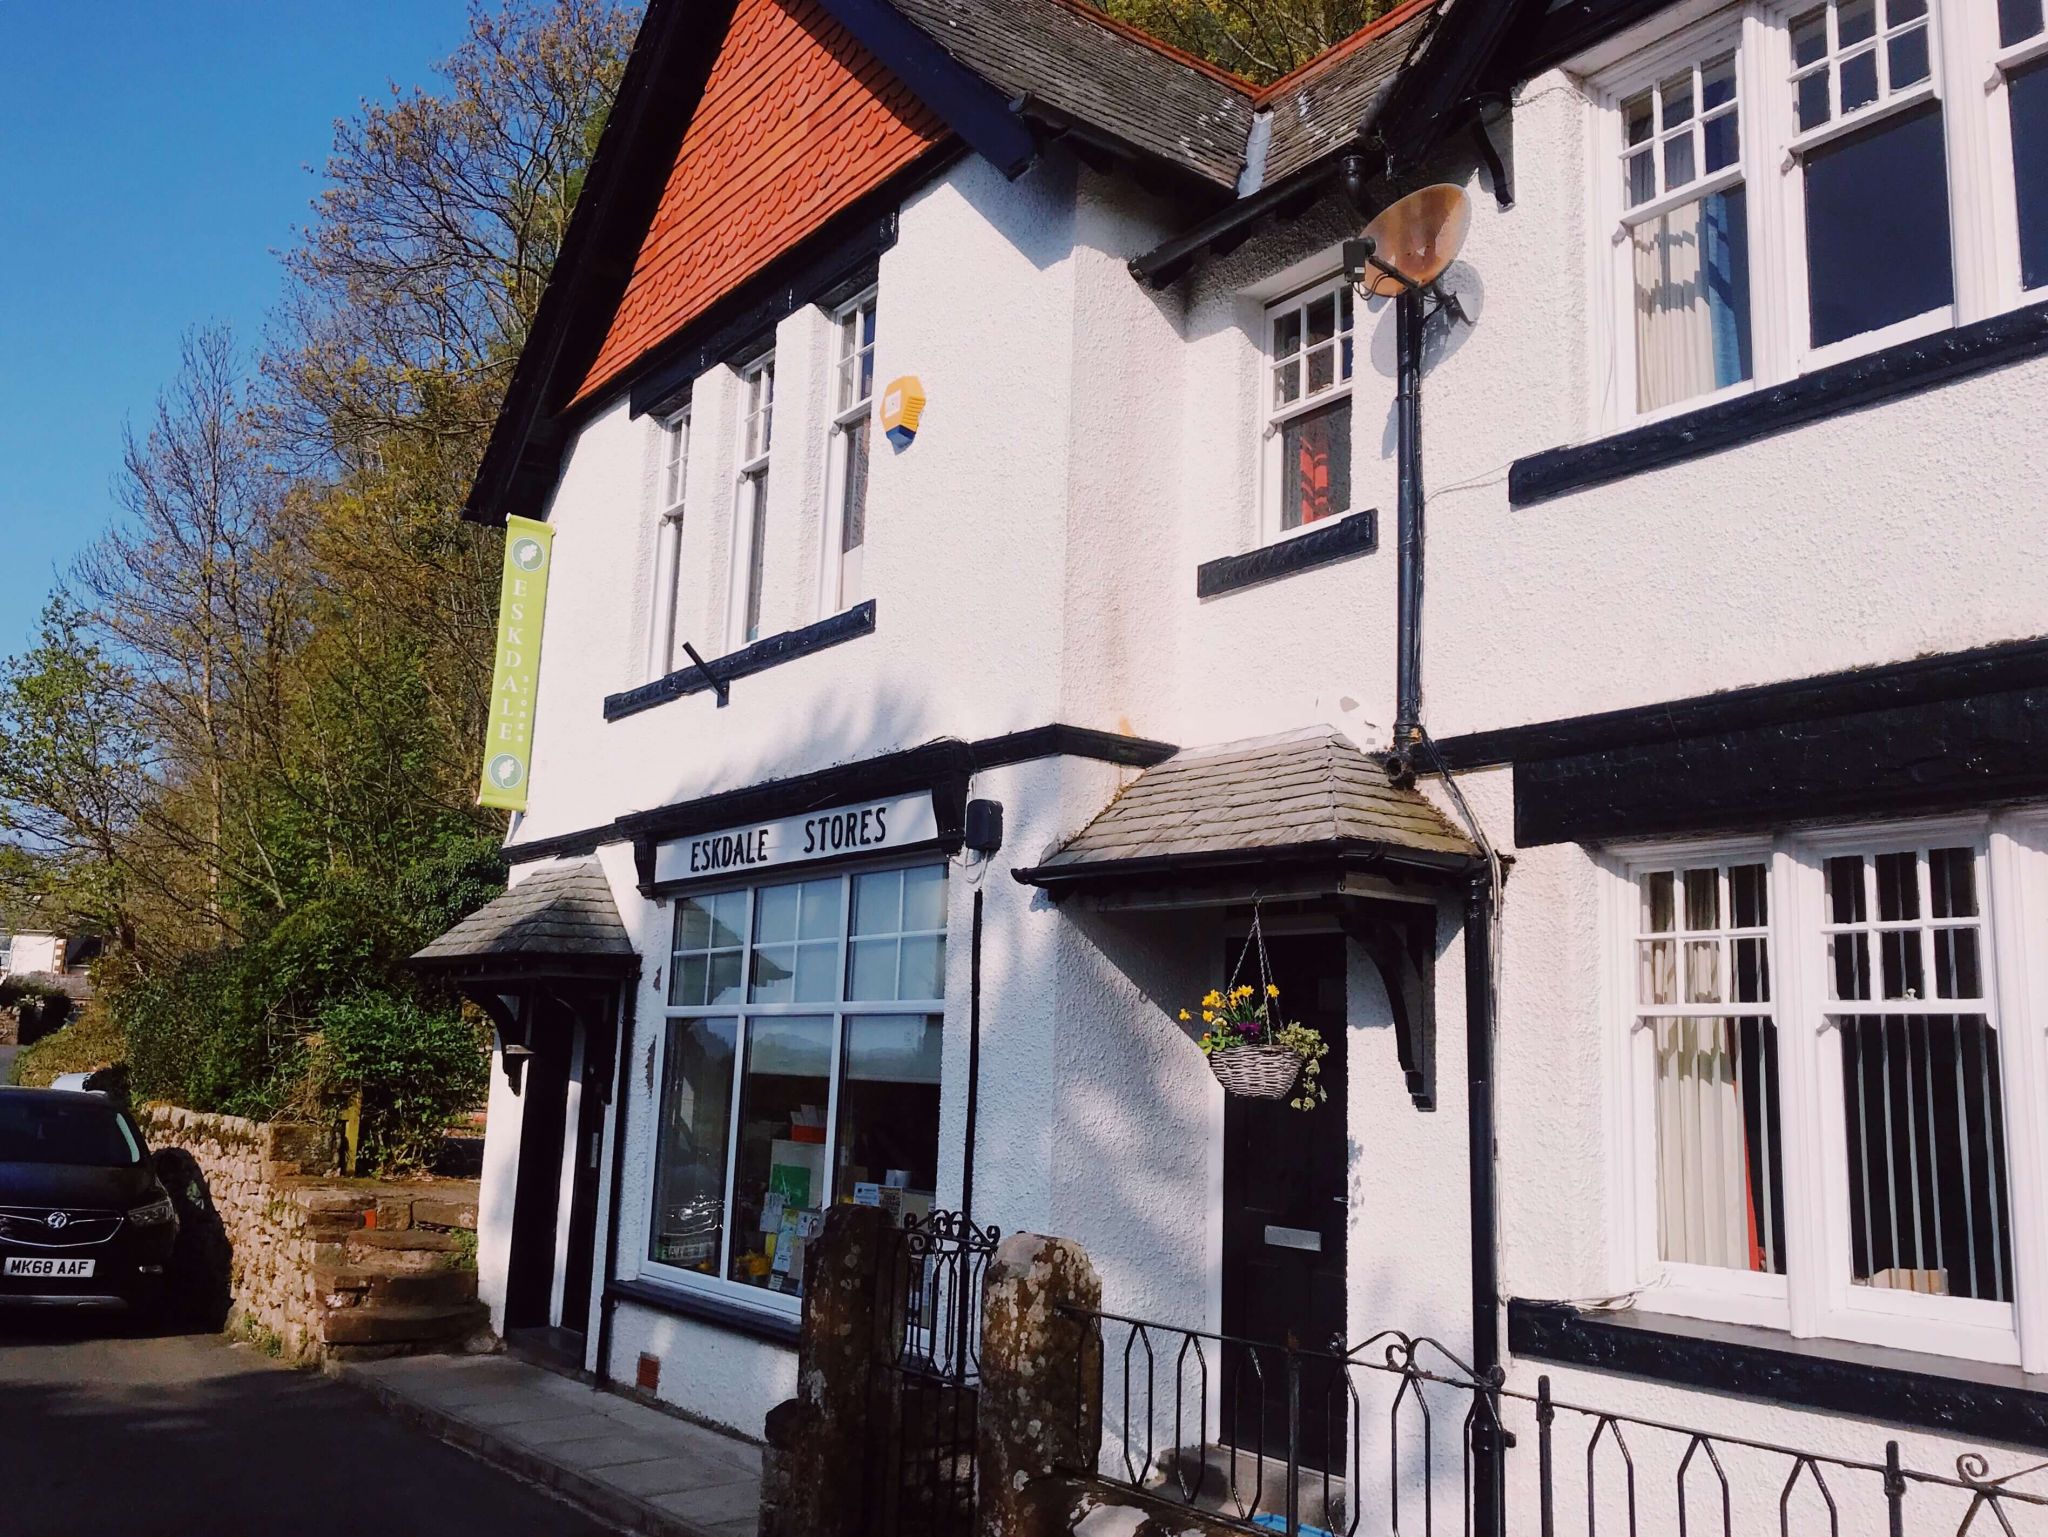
x: 84, y: 1221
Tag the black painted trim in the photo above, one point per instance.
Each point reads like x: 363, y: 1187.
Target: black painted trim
x: 1864, y: 1382
x: 970, y: 106
x: 944, y: 762
x: 1550, y: 34
x: 1332, y: 856
x: 770, y: 651
x: 1957, y: 675
x: 730, y: 1316
x: 1356, y: 534
x: 1892, y: 373
x: 844, y: 250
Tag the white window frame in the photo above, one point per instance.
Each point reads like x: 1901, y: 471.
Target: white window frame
x: 721, y: 1285
x: 1816, y: 1298
x: 753, y: 490
x: 671, y: 495
x: 1273, y: 416
x: 833, y: 586
x: 1967, y: 74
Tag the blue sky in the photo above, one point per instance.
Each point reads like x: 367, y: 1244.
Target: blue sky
x: 156, y: 157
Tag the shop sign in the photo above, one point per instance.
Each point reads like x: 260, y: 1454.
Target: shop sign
x: 522, y: 603
x: 867, y: 827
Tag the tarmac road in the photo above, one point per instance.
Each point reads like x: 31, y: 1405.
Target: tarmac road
x: 185, y: 1434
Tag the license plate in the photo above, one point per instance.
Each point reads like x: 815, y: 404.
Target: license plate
x: 52, y: 1269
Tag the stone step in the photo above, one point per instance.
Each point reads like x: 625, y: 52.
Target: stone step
x: 373, y: 1323
x: 442, y: 1286
x: 409, y: 1249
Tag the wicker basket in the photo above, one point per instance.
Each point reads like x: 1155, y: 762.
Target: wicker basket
x: 1256, y: 1072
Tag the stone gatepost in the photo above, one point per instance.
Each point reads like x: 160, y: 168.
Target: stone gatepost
x: 1041, y: 1385
x: 821, y: 1443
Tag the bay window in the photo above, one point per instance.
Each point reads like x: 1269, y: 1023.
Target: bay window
x: 1309, y: 363
x: 1788, y: 185
x: 1823, y: 1085
x: 851, y: 407
x: 799, y: 1069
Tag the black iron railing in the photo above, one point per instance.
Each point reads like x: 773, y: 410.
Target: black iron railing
x: 1398, y: 1435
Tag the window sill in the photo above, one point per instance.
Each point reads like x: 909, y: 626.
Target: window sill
x: 755, y: 1323
x: 763, y: 654
x: 1356, y: 533
x: 1962, y: 1398
x: 1890, y: 373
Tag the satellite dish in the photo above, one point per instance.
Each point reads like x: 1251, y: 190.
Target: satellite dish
x: 1418, y: 237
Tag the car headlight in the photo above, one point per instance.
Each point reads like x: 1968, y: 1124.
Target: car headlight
x: 153, y: 1213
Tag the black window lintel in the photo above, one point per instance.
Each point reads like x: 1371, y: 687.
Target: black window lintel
x: 1355, y: 534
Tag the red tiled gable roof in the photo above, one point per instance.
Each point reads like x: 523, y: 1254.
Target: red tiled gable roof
x: 798, y: 122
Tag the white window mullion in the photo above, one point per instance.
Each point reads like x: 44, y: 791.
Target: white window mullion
x: 1964, y: 38
x: 1816, y: 1186
x: 2019, y: 907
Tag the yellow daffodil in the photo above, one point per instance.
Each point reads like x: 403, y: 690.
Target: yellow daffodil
x: 1184, y: 1014
x: 1208, y: 1018
x: 1272, y: 991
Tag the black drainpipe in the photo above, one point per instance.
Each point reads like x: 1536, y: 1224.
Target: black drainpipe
x: 973, y: 1060
x: 1489, y: 1442
x: 620, y: 1095
x: 1408, y: 606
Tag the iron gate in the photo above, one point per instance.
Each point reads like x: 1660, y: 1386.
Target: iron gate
x: 928, y: 1377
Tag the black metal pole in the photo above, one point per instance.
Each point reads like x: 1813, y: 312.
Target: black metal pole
x: 620, y: 1094
x: 1489, y: 1484
x: 1408, y: 607
x: 973, y: 1060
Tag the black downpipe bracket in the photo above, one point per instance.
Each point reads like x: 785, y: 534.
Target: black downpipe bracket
x: 607, y: 1302
x: 1408, y: 321
x: 973, y: 1060
x: 1489, y: 1442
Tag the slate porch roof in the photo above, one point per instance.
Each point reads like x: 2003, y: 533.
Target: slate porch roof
x: 560, y: 917
x: 1243, y: 803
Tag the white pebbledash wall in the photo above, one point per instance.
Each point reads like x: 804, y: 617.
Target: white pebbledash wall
x: 1087, y: 444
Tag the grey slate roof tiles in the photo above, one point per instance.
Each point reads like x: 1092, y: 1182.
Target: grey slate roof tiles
x: 564, y: 911
x: 1098, y: 76
x: 1325, y: 106
x: 1286, y: 792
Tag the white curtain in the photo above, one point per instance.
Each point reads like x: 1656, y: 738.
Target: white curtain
x: 1691, y: 300
x: 1702, y: 1155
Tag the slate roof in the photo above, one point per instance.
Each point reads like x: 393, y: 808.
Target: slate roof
x: 1072, y: 59
x: 1304, y: 790
x: 566, y: 912
x: 1328, y: 102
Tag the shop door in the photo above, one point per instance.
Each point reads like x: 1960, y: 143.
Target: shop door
x: 589, y: 1155
x: 537, y: 1189
x: 1284, y: 1209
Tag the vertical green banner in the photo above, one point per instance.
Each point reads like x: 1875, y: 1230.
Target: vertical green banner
x: 522, y: 604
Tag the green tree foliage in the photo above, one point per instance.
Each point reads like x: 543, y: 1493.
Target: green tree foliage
x: 1258, y: 39
x: 244, y: 748
x: 415, y: 1069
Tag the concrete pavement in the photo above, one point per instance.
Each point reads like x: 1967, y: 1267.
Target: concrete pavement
x: 184, y: 1436
x: 643, y: 1469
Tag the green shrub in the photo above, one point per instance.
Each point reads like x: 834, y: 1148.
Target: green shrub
x: 89, y: 1043
x: 40, y: 1008
x: 417, y: 1069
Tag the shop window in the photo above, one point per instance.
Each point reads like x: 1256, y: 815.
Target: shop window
x: 800, y: 1069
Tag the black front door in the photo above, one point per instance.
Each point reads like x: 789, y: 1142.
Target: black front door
x: 537, y: 1191
x: 1284, y: 1208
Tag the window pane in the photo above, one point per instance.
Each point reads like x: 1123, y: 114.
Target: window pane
x: 871, y: 970
x: 2028, y: 93
x: 1748, y: 895
x: 1322, y: 319
x: 923, y: 973
x: 1859, y: 81
x: 1702, y: 900
x: 1692, y: 300
x: 1877, y: 236
x: 1812, y: 98
x: 1315, y: 465
x: 1287, y: 383
x: 1720, y: 1184
x: 924, y: 897
x: 820, y: 910
x: 889, y: 1110
x: 757, y: 555
x: 1322, y: 369
x: 779, y: 1175
x: 1677, y: 97
x: 1809, y: 37
x: 775, y: 914
x: 1908, y: 62
x: 878, y: 902
x: 774, y: 975
x: 2018, y: 20
x: 1717, y: 82
x: 853, y: 518
x: 1642, y: 177
x: 1659, y: 905
x: 1658, y: 972
x: 1928, y: 1200
x: 1855, y: 22
x: 1724, y: 141
x: 1287, y: 333
x: 690, y: 1144
x: 1952, y: 877
x: 1678, y: 161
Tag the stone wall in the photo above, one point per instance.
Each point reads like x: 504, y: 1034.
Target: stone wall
x: 274, y: 1247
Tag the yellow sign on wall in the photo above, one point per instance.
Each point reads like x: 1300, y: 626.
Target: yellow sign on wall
x: 522, y: 605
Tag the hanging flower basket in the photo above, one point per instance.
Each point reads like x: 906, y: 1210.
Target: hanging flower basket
x: 1256, y: 1072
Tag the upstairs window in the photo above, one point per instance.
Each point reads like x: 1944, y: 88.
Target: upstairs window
x: 750, y: 511
x: 1309, y: 359
x: 851, y: 407
x: 672, y: 480
x: 1789, y: 185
